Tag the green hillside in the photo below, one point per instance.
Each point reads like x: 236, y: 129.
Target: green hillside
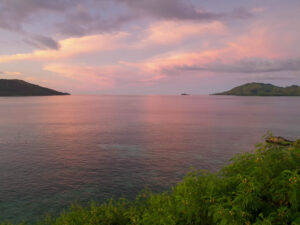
x: 261, y: 89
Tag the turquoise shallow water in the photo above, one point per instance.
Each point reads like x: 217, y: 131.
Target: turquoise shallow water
x: 55, y: 151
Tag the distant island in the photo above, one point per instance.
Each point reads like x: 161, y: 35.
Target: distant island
x: 23, y: 88
x: 261, y: 89
x: 184, y: 94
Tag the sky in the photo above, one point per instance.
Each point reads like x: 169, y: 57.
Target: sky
x: 150, y: 46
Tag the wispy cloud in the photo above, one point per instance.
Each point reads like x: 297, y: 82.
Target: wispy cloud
x: 40, y: 41
x: 71, y: 47
x: 10, y: 73
x: 180, y: 10
x: 15, y: 13
x: 253, y: 65
x: 108, y: 44
x: 172, y: 32
x: 159, y: 33
x: 103, y: 77
x: 79, y: 17
x: 85, y: 74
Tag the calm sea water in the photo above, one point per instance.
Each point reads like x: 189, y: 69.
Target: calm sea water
x: 55, y: 151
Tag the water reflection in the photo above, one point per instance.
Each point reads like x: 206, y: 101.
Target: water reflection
x: 57, y: 150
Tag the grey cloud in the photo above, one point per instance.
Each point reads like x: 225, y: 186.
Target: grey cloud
x: 253, y: 65
x: 268, y: 76
x: 77, y: 17
x: 14, y: 13
x: 89, y: 13
x: 84, y: 17
x: 80, y: 21
x: 168, y: 9
x: 239, y: 13
x: 43, y: 42
x: 181, y: 10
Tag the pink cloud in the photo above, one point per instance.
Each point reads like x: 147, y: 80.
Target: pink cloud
x: 85, y: 74
x: 73, y: 46
x: 173, y: 32
x: 255, y: 43
x: 104, y: 77
x: 158, y: 66
x: 160, y: 33
x: 258, y: 42
x: 12, y: 73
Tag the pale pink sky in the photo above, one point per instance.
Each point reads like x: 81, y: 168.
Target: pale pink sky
x: 150, y: 46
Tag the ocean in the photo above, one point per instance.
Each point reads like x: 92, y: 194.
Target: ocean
x: 60, y: 150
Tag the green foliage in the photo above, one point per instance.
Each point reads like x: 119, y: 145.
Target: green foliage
x: 261, y: 188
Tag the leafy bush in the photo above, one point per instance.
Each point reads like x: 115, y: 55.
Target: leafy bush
x: 261, y: 188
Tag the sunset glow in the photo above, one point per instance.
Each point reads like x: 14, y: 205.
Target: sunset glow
x: 150, y: 47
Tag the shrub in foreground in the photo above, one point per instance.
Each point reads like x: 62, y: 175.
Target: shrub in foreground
x: 261, y: 188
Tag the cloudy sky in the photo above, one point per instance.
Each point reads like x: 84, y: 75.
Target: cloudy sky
x: 150, y: 46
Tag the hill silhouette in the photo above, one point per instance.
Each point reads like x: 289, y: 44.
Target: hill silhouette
x: 261, y: 89
x: 23, y: 88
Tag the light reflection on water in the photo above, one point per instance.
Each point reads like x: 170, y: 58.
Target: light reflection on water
x: 59, y: 150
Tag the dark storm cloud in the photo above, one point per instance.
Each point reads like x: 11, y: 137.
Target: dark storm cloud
x: 249, y: 66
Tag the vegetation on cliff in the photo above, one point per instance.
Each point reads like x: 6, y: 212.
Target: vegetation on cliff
x: 261, y: 89
x: 261, y: 188
x: 22, y: 88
